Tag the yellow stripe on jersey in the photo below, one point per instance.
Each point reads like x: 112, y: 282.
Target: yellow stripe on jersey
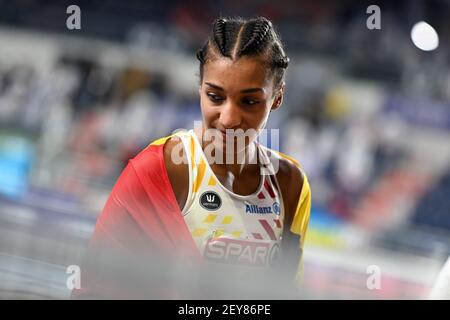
x: 212, y: 181
x: 200, y: 174
x: 236, y: 234
x: 302, y: 212
x: 210, y: 218
x: 192, y: 143
x: 227, y: 219
x: 199, y: 232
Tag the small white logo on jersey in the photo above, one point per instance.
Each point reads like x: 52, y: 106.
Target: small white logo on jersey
x: 210, y: 200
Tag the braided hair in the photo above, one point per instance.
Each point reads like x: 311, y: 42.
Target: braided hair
x: 236, y: 37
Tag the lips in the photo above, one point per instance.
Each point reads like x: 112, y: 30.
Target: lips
x: 224, y: 132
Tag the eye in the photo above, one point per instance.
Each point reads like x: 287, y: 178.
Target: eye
x: 250, y: 102
x: 214, y: 97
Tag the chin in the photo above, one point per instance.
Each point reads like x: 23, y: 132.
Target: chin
x: 230, y: 146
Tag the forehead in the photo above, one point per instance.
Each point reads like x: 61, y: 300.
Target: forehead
x: 246, y: 72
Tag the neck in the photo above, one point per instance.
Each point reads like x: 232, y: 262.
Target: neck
x: 242, y: 160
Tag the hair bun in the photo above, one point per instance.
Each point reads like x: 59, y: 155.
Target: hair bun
x: 283, y: 62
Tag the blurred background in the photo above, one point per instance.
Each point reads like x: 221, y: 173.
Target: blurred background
x: 366, y: 112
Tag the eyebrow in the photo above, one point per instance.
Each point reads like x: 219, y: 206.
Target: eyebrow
x: 250, y: 90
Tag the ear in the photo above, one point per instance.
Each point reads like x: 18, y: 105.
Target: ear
x: 200, y: 90
x: 278, y: 97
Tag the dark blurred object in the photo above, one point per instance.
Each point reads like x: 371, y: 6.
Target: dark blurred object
x: 433, y: 209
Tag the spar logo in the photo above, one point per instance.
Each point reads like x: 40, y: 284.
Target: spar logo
x: 241, y: 252
x: 254, y: 208
x: 210, y: 200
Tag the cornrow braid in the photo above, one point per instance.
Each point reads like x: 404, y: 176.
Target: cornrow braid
x: 236, y: 37
x: 259, y: 31
x: 219, y: 34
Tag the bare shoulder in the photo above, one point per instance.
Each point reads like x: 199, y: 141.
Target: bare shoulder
x: 173, y: 152
x: 290, y: 172
x: 175, y: 159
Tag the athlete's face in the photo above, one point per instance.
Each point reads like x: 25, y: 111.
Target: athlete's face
x: 238, y: 95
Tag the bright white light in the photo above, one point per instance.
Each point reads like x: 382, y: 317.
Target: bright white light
x: 424, y: 36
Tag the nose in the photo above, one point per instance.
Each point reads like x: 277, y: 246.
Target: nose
x: 230, y: 117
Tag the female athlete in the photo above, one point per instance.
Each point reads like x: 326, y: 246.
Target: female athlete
x: 214, y: 193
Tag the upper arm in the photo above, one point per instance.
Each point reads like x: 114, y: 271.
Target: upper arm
x: 297, y: 198
x: 178, y: 172
x: 294, y: 186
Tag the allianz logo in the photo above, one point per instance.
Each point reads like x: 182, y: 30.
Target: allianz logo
x: 254, y: 208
